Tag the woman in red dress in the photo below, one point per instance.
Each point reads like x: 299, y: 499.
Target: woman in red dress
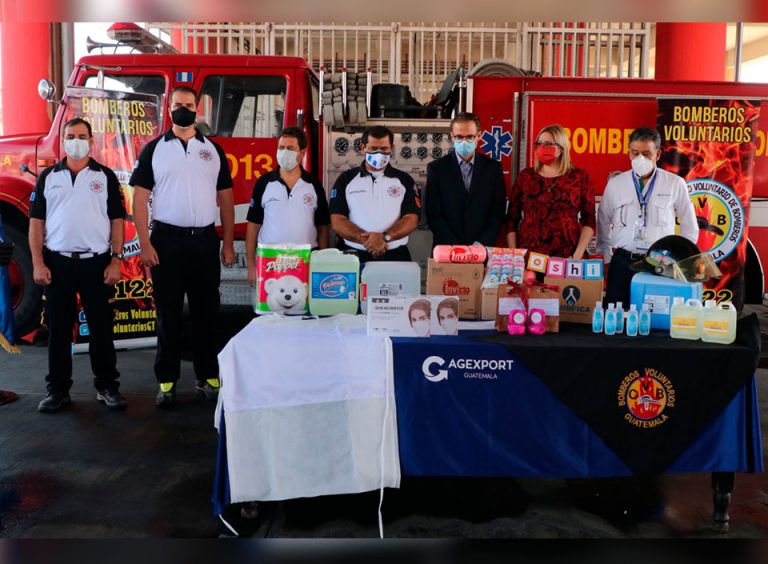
x: 552, y: 204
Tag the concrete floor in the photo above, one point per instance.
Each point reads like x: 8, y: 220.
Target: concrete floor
x: 92, y: 473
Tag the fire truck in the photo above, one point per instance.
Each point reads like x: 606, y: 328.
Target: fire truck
x: 246, y: 100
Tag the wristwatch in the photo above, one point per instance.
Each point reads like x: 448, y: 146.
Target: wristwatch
x: 118, y: 256
x: 387, y: 237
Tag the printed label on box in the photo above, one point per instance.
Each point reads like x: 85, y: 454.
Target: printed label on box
x: 508, y: 304
x: 550, y: 306
x: 658, y: 304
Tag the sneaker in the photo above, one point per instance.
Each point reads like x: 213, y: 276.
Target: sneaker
x: 54, y: 402
x: 111, y: 398
x: 208, y: 389
x: 166, y: 397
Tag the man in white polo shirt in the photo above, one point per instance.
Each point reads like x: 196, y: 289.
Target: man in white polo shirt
x: 639, y: 207
x: 374, y: 206
x: 76, y: 218
x: 188, y: 177
x: 288, y: 205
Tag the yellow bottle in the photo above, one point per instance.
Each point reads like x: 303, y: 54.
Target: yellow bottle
x: 685, y: 319
x: 718, y: 323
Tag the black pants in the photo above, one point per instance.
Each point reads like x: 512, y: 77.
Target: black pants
x: 399, y: 254
x: 188, y: 264
x: 68, y: 277
x: 619, y: 279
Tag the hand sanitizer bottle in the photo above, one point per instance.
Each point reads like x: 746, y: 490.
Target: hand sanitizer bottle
x: 597, y: 317
x: 610, y: 320
x: 619, y: 318
x: 645, y: 320
x: 633, y: 321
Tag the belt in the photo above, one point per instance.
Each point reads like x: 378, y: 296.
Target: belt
x: 189, y: 231
x: 625, y: 253
x: 77, y: 255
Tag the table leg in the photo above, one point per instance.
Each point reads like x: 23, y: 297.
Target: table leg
x: 722, y: 486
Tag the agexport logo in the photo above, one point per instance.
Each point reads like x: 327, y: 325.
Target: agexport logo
x: 435, y: 370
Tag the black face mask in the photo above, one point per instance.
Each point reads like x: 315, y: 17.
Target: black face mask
x: 183, y: 117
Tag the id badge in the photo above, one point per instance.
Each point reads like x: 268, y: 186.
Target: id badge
x: 639, y: 230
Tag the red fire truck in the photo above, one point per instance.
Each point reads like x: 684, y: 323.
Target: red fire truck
x: 245, y: 100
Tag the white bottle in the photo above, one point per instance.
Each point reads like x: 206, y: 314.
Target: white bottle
x: 633, y: 321
x: 598, y: 318
x: 644, y: 325
x: 718, y: 323
x: 610, y: 320
x: 619, y: 318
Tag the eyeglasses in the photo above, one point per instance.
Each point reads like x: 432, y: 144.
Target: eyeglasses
x: 545, y: 144
x: 464, y: 137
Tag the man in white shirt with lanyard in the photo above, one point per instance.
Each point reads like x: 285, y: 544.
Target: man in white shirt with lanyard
x: 639, y: 207
x: 188, y: 177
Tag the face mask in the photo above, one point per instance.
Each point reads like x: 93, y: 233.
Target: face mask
x: 546, y: 154
x: 287, y: 159
x: 421, y: 328
x: 77, y: 148
x: 183, y: 117
x: 450, y: 326
x: 464, y: 148
x: 377, y: 160
x: 642, y: 166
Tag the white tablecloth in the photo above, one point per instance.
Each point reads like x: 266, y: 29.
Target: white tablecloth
x: 309, y: 409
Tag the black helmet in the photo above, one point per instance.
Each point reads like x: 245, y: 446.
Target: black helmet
x: 676, y: 257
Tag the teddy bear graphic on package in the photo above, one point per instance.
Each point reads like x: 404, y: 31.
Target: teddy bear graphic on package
x: 286, y: 294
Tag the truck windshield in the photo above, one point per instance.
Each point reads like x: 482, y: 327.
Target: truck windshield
x: 145, y: 84
x: 243, y: 106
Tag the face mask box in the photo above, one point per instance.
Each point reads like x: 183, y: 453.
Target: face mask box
x: 396, y: 278
x: 659, y: 292
x: 412, y: 316
x: 577, y: 298
x: 460, y: 280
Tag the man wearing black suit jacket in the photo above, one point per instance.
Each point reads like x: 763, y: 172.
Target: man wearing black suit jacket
x: 465, y: 197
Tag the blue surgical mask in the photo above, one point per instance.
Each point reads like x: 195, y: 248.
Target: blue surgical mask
x: 377, y: 160
x: 464, y: 148
x: 287, y: 159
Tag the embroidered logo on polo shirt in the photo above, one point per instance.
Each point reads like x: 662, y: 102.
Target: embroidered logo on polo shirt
x: 253, y: 202
x: 309, y: 199
x: 395, y: 191
x: 96, y: 186
x: 206, y: 155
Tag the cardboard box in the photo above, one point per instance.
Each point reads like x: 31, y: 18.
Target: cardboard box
x: 398, y: 316
x: 510, y: 298
x: 577, y: 298
x: 461, y: 280
x: 488, y: 297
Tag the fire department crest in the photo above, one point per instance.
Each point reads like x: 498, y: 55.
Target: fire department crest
x: 648, y: 396
x: 394, y: 191
x: 309, y: 199
x: 96, y: 186
x: 206, y: 155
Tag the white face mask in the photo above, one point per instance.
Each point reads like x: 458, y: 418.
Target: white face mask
x: 77, y: 148
x: 421, y: 328
x: 377, y: 160
x: 642, y: 166
x: 450, y: 326
x: 287, y: 159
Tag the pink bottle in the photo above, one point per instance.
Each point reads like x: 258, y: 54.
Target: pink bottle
x: 516, y: 322
x: 537, y: 321
x: 459, y: 253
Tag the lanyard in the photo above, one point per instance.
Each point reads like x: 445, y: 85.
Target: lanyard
x: 644, y: 199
